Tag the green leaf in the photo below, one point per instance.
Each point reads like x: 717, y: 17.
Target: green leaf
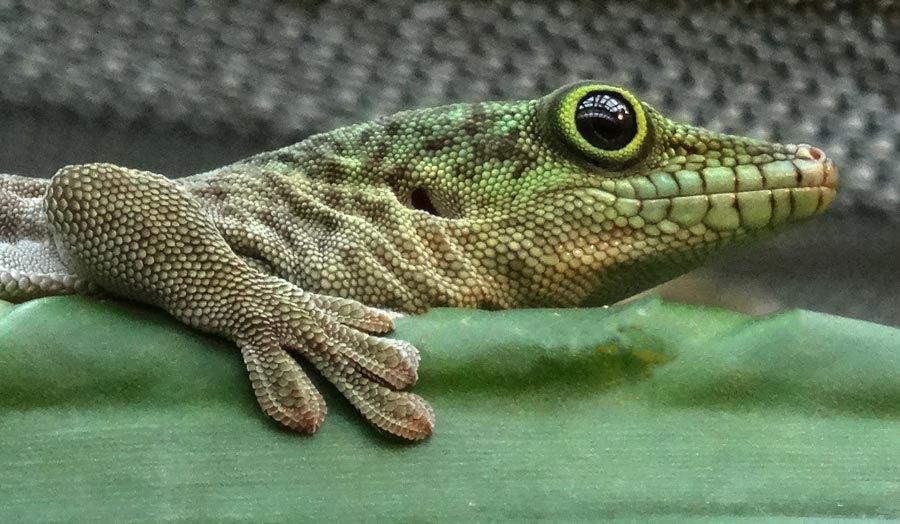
x: 648, y: 412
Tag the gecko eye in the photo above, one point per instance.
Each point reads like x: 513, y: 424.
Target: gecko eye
x: 605, y: 125
x: 606, y: 120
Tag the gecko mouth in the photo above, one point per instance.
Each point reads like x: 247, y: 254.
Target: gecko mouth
x: 784, y: 191
x: 655, y: 226
x: 801, y: 184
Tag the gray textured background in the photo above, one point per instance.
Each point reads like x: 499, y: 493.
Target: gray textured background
x: 179, y: 87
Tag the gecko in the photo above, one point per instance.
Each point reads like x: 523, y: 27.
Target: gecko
x: 582, y: 197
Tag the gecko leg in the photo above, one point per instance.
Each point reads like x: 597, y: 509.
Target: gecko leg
x: 140, y: 236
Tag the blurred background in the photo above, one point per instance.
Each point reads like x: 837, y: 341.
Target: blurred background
x: 181, y: 87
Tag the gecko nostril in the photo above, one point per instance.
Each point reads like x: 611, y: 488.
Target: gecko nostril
x: 816, y: 153
x: 810, y: 153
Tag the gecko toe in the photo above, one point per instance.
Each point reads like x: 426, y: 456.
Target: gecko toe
x: 392, y: 362
x: 353, y: 314
x: 282, y: 389
x: 399, y: 413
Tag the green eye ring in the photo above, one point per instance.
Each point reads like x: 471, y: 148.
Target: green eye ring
x: 607, y: 124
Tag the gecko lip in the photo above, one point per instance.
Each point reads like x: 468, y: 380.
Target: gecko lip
x: 800, y: 182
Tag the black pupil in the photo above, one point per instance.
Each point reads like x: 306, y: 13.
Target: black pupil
x: 606, y: 120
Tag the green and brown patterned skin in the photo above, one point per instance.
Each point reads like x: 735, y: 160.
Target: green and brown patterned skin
x: 582, y: 197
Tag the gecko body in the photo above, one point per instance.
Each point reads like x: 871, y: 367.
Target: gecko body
x: 582, y: 197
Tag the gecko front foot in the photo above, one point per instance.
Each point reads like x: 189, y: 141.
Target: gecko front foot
x: 141, y: 236
x: 329, y: 332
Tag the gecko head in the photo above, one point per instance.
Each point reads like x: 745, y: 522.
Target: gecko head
x: 621, y: 198
x: 584, y: 196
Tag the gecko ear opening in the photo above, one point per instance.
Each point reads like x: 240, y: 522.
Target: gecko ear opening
x: 422, y: 201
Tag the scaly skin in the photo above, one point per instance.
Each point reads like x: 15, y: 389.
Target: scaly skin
x: 495, y: 205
